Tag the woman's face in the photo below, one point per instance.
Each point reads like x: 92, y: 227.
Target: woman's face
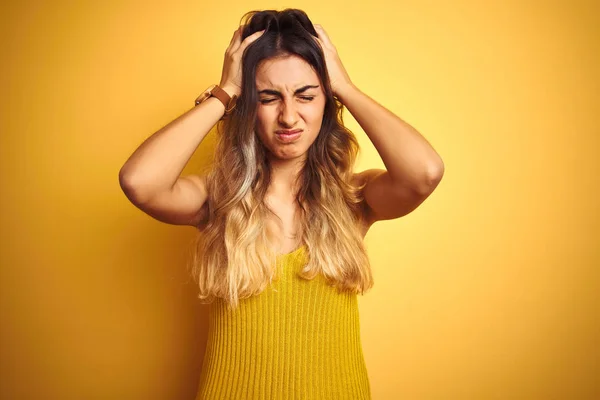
x: 290, y: 98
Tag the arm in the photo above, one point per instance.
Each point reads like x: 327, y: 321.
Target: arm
x: 150, y: 177
x: 155, y: 166
x: 414, y: 169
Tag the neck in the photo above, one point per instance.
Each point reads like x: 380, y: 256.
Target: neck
x: 283, y: 176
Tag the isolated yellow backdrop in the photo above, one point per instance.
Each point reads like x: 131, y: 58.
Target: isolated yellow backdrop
x: 489, y: 290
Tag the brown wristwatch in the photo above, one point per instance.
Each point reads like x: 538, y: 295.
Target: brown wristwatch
x: 216, y: 91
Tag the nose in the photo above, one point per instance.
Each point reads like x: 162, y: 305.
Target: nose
x: 287, y: 115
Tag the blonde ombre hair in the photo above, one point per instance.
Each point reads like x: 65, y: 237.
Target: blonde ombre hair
x: 234, y: 255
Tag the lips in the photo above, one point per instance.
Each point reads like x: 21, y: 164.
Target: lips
x: 288, y: 136
x: 286, y: 132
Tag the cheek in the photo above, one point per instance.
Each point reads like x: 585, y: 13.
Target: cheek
x: 263, y: 118
x: 316, y: 116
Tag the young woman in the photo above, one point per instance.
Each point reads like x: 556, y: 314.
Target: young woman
x: 282, y: 215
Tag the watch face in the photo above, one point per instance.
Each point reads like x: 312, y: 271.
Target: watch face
x: 205, y: 95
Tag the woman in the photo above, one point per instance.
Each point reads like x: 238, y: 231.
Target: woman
x: 281, y: 215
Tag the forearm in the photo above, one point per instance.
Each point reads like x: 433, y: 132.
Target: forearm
x: 158, y: 162
x: 407, y: 155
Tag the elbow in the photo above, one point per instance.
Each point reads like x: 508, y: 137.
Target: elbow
x: 433, y: 176
x: 128, y: 186
x: 125, y: 179
x: 436, y: 172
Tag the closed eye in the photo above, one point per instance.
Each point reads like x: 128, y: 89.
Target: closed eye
x: 307, y: 98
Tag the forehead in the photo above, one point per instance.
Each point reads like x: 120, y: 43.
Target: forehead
x: 285, y: 73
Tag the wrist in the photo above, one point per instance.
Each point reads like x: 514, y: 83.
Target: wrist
x: 231, y: 90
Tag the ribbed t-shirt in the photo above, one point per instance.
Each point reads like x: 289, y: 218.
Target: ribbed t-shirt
x: 298, y: 339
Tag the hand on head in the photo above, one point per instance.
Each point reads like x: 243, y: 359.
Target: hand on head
x: 231, y: 76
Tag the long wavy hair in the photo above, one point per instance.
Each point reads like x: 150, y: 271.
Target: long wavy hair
x: 233, y: 256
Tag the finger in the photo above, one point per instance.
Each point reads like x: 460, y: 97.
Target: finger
x: 322, y: 34
x: 235, y: 33
x: 320, y: 42
x: 238, y: 34
x: 250, y: 39
x: 237, y: 39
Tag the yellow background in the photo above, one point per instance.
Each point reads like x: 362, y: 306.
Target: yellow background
x: 489, y: 290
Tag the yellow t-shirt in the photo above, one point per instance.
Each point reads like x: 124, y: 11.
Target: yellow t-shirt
x: 298, y: 339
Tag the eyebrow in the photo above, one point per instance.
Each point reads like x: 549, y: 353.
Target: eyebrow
x: 277, y: 93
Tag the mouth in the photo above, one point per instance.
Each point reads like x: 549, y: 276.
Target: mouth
x: 288, y: 136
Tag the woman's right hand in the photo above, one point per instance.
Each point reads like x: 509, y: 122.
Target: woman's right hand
x: 231, y: 77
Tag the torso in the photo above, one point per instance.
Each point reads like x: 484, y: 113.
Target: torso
x: 288, y: 243
x: 289, y: 226
x: 287, y: 229
x: 286, y: 210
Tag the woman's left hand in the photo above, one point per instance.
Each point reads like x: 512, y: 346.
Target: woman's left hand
x: 337, y: 73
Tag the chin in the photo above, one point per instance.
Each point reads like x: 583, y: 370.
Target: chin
x: 287, y: 153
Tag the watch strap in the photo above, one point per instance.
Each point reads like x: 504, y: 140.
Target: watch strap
x: 216, y: 91
x: 221, y: 95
